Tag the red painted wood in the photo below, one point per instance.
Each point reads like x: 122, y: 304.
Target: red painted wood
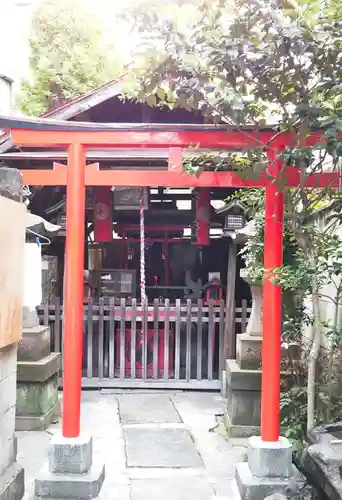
x: 164, y: 178
x: 203, y: 218
x: 218, y: 139
x: 175, y: 159
x: 74, y: 289
x: 139, y: 346
x: 272, y: 304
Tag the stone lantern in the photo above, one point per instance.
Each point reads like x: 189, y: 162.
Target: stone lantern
x: 243, y: 373
x: 38, y: 367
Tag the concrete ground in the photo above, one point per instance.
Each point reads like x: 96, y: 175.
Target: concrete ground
x: 155, y: 445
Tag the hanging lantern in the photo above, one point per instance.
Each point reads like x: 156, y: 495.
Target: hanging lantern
x: 235, y: 217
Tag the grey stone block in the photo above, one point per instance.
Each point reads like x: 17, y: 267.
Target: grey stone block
x: 241, y: 379
x: 30, y: 317
x: 34, y: 344
x: 270, y: 460
x: 243, y: 407
x: 7, y: 391
x: 41, y: 370
x: 36, y: 398
x: 240, y: 431
x: 8, y: 361
x: 70, y: 455
x: 248, y: 351
x: 10, y: 183
x: 7, y: 425
x: 38, y: 423
x: 322, y: 471
x: 255, y: 488
x: 49, y: 485
x: 277, y: 496
x: 12, y: 483
x: 8, y: 454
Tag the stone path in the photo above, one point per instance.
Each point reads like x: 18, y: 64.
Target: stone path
x: 154, y: 445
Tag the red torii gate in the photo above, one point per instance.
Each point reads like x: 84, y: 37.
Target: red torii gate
x: 77, y: 137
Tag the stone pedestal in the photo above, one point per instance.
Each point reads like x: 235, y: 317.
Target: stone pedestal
x: 37, y: 380
x: 70, y: 471
x: 243, y: 400
x: 243, y: 375
x: 269, y: 470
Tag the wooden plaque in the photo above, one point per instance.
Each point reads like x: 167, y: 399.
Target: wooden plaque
x: 12, y: 241
x: 129, y: 198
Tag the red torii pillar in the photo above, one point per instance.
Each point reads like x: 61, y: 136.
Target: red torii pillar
x: 272, y: 303
x: 74, y: 289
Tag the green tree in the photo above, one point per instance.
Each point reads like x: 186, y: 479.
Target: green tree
x: 257, y: 62
x: 68, y: 56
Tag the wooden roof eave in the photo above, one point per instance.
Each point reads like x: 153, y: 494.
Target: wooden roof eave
x: 44, y: 124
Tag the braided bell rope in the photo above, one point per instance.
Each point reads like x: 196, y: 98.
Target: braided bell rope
x: 142, y: 248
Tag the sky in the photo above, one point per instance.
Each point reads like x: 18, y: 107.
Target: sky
x: 15, y: 27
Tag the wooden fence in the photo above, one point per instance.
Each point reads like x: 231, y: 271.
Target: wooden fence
x: 129, y: 345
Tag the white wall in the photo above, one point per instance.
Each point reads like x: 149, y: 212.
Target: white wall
x: 5, y: 96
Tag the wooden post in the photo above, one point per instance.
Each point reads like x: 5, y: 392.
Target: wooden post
x: 272, y: 305
x: 229, y: 328
x: 74, y: 284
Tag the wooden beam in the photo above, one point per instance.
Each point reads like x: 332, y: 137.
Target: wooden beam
x: 55, y: 177
x: 148, y: 139
x: 229, y: 327
x: 175, y: 160
x: 166, y: 178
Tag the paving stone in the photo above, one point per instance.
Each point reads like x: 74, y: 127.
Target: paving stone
x: 218, y: 455
x: 147, y: 408
x: 160, y: 448
x: 226, y: 489
x: 114, y: 491
x: 198, y: 410
x: 176, y: 489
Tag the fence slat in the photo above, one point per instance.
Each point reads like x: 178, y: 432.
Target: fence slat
x: 111, y: 356
x: 144, y: 339
x: 199, y: 339
x: 244, y: 316
x: 177, y: 339
x: 155, y: 337
x: 133, y: 338
x: 46, y: 312
x: 57, y: 326
x: 221, y: 338
x: 122, y: 337
x: 166, y: 338
x: 188, y: 340
x: 101, y: 340
x: 211, y: 338
x: 90, y: 339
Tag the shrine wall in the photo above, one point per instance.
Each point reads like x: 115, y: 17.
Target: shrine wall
x: 12, y: 241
